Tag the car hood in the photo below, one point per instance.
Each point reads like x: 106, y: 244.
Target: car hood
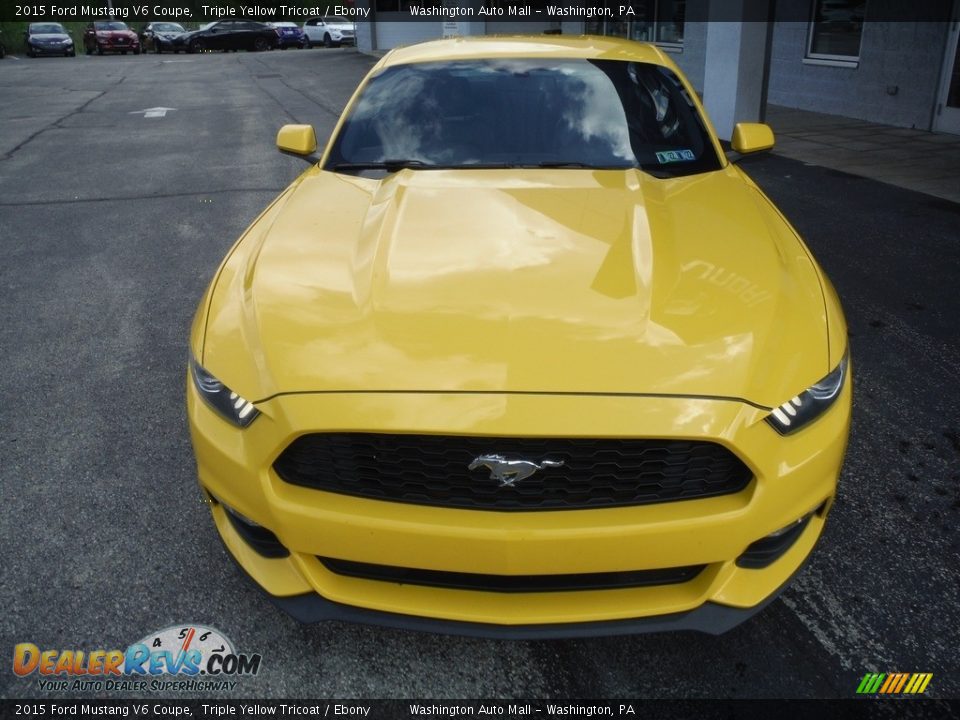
x: 49, y: 36
x: 567, y: 281
x: 116, y: 33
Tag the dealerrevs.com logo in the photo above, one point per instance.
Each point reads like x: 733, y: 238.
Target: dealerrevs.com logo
x: 196, y: 657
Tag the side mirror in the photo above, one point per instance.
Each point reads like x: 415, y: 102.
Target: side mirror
x: 751, y: 138
x: 299, y: 141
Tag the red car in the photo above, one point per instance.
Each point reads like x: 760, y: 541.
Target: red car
x: 110, y: 36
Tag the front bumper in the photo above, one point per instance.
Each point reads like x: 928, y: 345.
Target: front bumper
x: 115, y: 46
x: 51, y: 49
x: 793, y: 477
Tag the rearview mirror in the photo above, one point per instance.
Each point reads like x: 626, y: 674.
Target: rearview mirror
x: 751, y: 138
x: 299, y: 141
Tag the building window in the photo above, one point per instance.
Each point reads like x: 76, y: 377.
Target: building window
x: 402, y: 5
x: 835, y: 30
x: 505, y: 5
x: 663, y: 23
x: 656, y: 21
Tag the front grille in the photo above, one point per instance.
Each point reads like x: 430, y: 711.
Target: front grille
x: 433, y: 470
x: 513, y: 583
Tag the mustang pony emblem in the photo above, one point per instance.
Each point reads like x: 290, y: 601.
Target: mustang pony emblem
x: 509, y: 471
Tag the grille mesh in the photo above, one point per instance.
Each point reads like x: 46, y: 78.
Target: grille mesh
x: 513, y: 583
x: 432, y: 470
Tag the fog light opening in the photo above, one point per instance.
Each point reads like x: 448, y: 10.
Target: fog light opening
x: 259, y: 538
x: 241, y: 517
x: 789, y: 528
x: 767, y: 550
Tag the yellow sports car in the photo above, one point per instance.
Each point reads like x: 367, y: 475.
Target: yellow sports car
x: 522, y: 354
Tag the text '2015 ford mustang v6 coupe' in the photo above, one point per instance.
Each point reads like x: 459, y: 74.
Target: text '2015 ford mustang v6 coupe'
x: 521, y: 355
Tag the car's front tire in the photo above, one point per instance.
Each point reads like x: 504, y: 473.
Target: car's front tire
x: 260, y: 45
x: 196, y: 46
x: 327, y: 40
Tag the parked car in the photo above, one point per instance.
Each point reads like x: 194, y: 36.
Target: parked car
x: 160, y: 36
x: 48, y: 38
x: 333, y: 31
x: 110, y: 36
x: 229, y: 35
x: 522, y: 354
x: 290, y: 35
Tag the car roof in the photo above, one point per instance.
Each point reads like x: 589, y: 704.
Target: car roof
x: 531, y: 46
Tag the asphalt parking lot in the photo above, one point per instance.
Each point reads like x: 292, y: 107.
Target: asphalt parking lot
x: 111, y: 225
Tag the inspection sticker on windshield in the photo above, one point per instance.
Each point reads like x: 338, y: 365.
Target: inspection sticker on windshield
x: 669, y: 156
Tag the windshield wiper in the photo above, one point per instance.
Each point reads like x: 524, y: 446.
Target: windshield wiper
x: 573, y: 164
x: 395, y: 165
x: 391, y: 166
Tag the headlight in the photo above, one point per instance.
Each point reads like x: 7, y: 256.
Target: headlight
x: 229, y: 404
x: 811, y: 403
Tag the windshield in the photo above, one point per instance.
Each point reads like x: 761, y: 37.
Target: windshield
x: 110, y: 26
x: 167, y: 27
x: 47, y: 29
x: 338, y: 21
x: 526, y: 112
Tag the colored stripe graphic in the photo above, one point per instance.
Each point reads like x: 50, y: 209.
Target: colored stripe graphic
x: 891, y: 681
x: 864, y: 683
x: 875, y: 685
x: 894, y: 683
x: 903, y: 681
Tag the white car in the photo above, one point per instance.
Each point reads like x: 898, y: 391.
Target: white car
x: 332, y: 31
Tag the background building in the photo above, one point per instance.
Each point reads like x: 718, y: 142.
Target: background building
x: 880, y: 60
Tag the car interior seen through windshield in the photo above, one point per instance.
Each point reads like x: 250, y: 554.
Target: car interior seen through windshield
x: 607, y: 114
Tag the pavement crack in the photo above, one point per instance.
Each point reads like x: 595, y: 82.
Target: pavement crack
x: 331, y: 110
x: 322, y: 105
x: 154, y: 196
x: 54, y: 124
